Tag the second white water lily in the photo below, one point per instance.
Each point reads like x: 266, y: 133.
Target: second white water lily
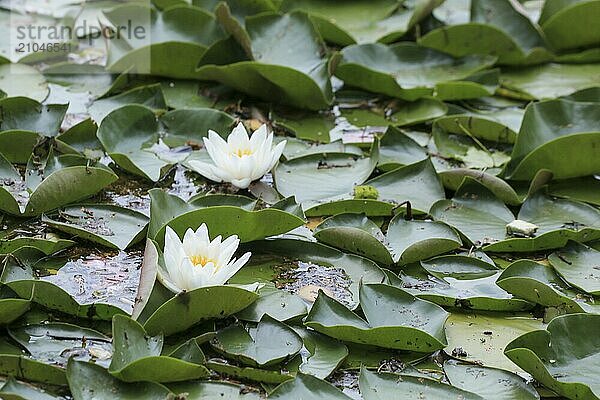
x: 197, y: 261
x: 241, y: 159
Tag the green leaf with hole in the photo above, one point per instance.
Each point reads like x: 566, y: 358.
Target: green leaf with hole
x: 393, y: 319
x: 553, y: 358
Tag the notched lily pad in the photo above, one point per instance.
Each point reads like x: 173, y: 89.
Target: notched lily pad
x: 269, y: 343
x: 393, y: 319
x: 567, y: 367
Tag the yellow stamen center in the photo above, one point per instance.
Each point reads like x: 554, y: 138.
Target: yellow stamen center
x: 242, y: 152
x: 201, y: 261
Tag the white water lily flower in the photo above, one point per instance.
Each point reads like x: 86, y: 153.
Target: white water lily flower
x: 198, y: 262
x: 241, y: 159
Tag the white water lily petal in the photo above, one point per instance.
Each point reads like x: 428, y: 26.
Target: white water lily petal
x: 197, y: 261
x: 205, y: 169
x: 241, y: 159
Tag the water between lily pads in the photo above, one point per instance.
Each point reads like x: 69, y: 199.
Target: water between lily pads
x: 94, y: 276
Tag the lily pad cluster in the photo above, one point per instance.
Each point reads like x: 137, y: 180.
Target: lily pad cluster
x: 430, y: 230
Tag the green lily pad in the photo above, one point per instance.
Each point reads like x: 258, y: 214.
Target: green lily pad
x: 87, y: 380
x: 62, y: 181
x: 325, y: 354
x: 356, y: 234
x: 495, y: 28
x: 375, y: 386
x: 586, y: 189
x: 257, y: 224
x: 577, y: 264
x: 305, y: 125
x: 276, y: 303
x: 362, y: 21
x: 266, y: 376
x: 500, y: 125
x: 393, y: 188
x: 454, y: 178
x: 412, y: 241
x: 552, y: 357
x: 549, y: 81
x: 269, y: 343
x: 81, y: 138
x: 11, y: 308
x: 25, y: 114
x: 401, y: 184
x: 564, y: 24
x: 549, y: 127
x: 489, y: 383
x: 467, y: 292
x: 188, y: 127
x: 540, y: 284
x: 130, y: 137
x: 111, y: 226
x: 213, y: 390
x: 557, y: 220
x: 482, y: 337
x: 405, y: 70
x: 387, y: 322
x: 48, y: 246
x: 197, y: 305
x: 13, y: 390
x: 181, y: 29
x: 327, y: 175
x: 299, y: 78
x: 22, y: 80
x: 307, y: 386
x: 398, y: 149
x: 150, y: 96
x: 137, y: 357
x: 459, y: 266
